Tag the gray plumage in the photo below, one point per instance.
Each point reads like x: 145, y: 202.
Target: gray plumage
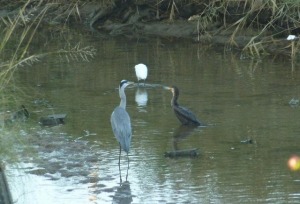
x: 120, y: 120
x: 121, y: 125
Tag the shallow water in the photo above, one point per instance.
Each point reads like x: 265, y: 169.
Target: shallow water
x: 239, y: 99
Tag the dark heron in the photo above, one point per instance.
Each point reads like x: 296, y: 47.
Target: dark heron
x: 120, y: 123
x: 185, y: 116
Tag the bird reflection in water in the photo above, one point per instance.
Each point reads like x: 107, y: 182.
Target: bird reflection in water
x: 123, y: 194
x: 181, y: 133
x: 141, y: 98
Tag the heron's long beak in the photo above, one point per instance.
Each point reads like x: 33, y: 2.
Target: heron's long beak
x: 167, y: 88
x: 130, y: 83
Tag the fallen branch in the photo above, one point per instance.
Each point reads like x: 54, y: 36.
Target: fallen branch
x: 182, y: 153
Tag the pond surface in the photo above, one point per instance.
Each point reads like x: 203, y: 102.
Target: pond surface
x: 252, y: 130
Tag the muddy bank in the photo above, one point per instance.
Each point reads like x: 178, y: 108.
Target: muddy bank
x: 231, y: 26
x: 250, y: 27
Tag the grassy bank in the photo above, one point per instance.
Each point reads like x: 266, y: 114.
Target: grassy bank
x: 14, y: 45
x: 19, y: 25
x: 256, y: 27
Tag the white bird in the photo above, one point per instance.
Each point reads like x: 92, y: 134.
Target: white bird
x: 141, y: 72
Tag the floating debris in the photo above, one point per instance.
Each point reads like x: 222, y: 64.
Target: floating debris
x: 294, y: 102
x: 53, y: 120
x: 42, y: 102
x: 292, y: 37
x: 183, y: 153
x: 247, y: 141
x: 88, y: 133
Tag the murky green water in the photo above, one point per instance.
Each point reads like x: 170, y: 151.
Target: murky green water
x: 239, y: 99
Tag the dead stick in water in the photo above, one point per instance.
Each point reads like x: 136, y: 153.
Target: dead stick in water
x: 183, y: 153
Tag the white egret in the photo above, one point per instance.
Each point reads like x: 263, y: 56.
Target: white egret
x: 141, y: 72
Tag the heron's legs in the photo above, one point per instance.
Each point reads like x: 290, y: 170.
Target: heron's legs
x: 120, y: 155
x: 127, y: 166
x: 120, y: 165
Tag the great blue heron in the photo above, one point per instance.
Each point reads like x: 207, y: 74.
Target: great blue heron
x: 120, y: 123
x: 185, y: 116
x: 141, y: 72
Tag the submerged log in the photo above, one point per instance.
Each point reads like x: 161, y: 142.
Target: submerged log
x: 53, y: 120
x: 183, y: 153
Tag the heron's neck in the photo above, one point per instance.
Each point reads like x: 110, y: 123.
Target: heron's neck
x: 123, y: 103
x: 123, y: 98
x: 174, y: 101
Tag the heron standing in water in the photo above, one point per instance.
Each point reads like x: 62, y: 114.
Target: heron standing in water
x: 141, y: 72
x: 185, y: 116
x: 120, y: 123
